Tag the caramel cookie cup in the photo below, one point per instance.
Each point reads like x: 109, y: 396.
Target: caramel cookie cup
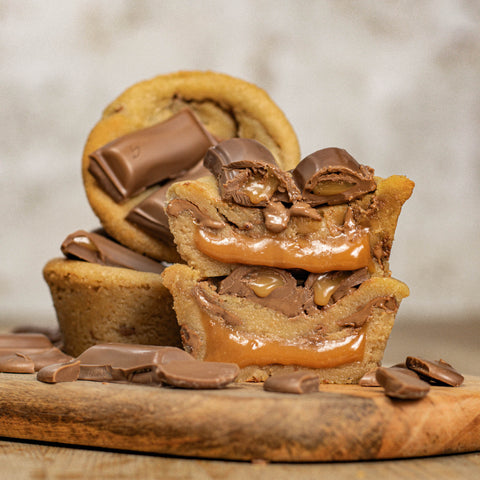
x: 226, y: 107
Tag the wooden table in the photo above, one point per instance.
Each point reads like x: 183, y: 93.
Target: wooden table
x: 22, y: 460
x: 34, y: 460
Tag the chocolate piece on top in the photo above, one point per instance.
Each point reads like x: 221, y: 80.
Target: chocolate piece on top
x: 435, y: 371
x: 129, y: 164
x: 399, y: 385
x: 332, y: 176
x: 370, y: 379
x: 96, y: 248
x: 271, y: 287
x: 150, y: 214
x: 247, y: 173
x: 296, y: 382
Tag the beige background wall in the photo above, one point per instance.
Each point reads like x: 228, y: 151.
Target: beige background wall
x: 396, y: 83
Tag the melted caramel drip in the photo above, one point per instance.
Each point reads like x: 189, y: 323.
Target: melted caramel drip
x: 343, y: 252
x: 226, y: 345
x: 263, y: 284
x: 324, y: 287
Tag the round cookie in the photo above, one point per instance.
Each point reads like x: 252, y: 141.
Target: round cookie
x: 102, y: 304
x: 227, y: 107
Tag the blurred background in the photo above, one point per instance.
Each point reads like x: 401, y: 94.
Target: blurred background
x: 396, y: 83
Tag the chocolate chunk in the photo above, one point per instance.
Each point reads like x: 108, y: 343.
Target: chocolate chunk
x: 364, y: 313
x: 130, y: 164
x: 399, y: 385
x: 435, y: 371
x: 247, y: 173
x: 60, y: 372
x: 273, y: 288
x: 179, y: 205
x: 370, y: 379
x: 328, y: 288
x: 16, y: 363
x: 124, y: 362
x: 332, y: 176
x: 25, y: 343
x: 96, y: 248
x: 198, y: 374
x: 49, y: 357
x: 53, y: 334
x: 296, y: 382
x: 150, y: 214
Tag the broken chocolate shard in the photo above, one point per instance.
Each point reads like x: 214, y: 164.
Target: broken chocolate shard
x: 48, y: 357
x: 121, y: 362
x: 59, y: 372
x: 128, y: 165
x: 95, y: 248
x: 332, y: 176
x: 270, y: 287
x: 16, y: 363
x: 198, y: 374
x: 150, y: 214
x: 25, y: 343
x: 370, y: 379
x: 400, y: 385
x: 247, y: 173
x: 435, y: 371
x: 296, y: 382
x: 180, y: 205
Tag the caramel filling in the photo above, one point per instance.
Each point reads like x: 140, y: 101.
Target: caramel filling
x: 226, y: 345
x: 260, y: 189
x: 338, y: 253
x: 329, y: 187
x: 324, y: 288
x: 263, y: 284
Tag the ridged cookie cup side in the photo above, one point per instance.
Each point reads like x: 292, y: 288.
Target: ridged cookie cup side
x: 98, y: 304
x: 227, y: 107
x: 339, y: 343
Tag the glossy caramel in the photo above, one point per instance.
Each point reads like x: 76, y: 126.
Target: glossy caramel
x: 225, y: 345
x: 263, y: 284
x: 343, y: 252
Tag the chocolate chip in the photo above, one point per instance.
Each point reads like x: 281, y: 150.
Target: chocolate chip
x: 296, y: 382
x: 398, y: 384
x: 435, y: 371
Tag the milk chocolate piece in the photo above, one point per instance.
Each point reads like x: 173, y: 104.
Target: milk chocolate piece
x: 370, y: 379
x: 399, y: 385
x: 25, y: 343
x: 279, y: 287
x: 179, y: 205
x: 150, y: 214
x: 96, y: 248
x: 198, y: 374
x: 122, y: 362
x: 53, y: 334
x: 16, y: 363
x: 60, y: 372
x: 130, y: 164
x: 435, y: 371
x: 49, y: 357
x: 332, y: 176
x: 247, y: 173
x: 296, y: 382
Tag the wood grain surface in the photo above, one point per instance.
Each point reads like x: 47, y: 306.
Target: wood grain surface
x: 243, y: 422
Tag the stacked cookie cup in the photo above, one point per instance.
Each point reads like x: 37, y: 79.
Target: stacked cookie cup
x: 253, y: 256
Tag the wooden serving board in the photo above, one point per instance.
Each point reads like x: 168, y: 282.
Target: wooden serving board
x: 243, y: 422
